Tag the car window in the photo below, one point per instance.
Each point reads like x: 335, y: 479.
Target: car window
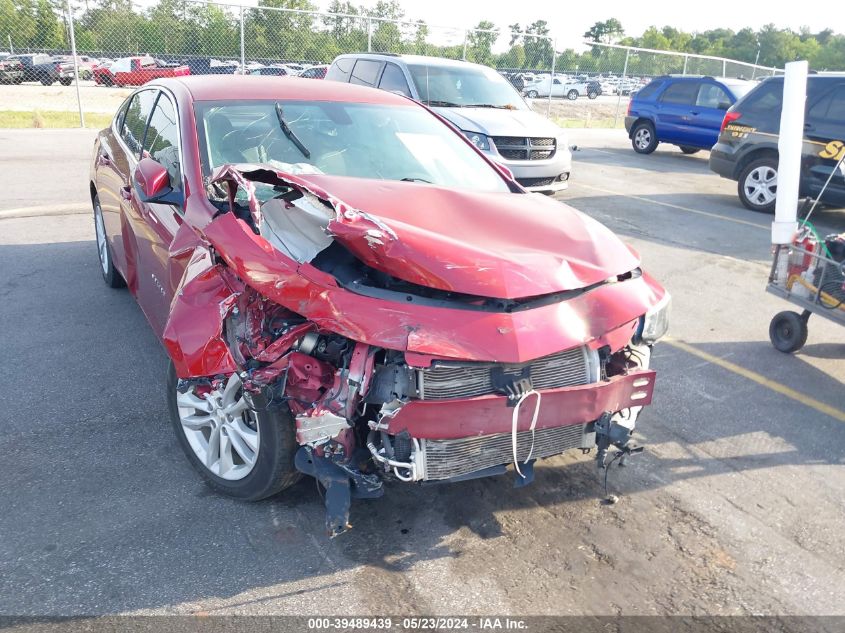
x: 649, y: 90
x: 392, y: 79
x: 122, y: 65
x: 711, y: 95
x: 831, y: 107
x: 464, y: 85
x: 365, y: 72
x: 765, y: 98
x: 341, y: 68
x: 680, y: 92
x: 161, y: 142
x: 135, y: 120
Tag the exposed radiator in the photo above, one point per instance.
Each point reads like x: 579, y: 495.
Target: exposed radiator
x: 451, y: 458
x: 466, y: 380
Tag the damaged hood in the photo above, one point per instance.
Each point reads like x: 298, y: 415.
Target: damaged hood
x: 499, y: 245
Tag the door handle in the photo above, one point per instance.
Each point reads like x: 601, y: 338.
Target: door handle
x: 126, y: 193
x: 104, y: 159
x: 809, y: 126
x: 694, y: 113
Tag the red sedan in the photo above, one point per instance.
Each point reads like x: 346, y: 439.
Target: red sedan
x: 348, y: 288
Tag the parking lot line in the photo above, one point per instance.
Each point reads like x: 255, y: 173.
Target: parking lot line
x: 676, y: 206
x: 775, y: 386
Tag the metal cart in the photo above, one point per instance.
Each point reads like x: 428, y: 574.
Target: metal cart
x: 807, y: 275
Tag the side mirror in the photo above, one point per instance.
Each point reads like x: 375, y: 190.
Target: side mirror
x: 152, y: 182
x: 723, y: 105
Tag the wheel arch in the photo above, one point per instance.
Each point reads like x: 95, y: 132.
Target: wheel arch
x: 637, y: 121
x: 754, y: 154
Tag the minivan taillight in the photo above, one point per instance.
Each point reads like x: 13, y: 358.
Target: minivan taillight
x: 729, y: 117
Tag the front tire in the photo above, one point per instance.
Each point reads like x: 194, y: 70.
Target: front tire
x: 788, y: 331
x: 531, y: 94
x: 572, y: 95
x: 239, y: 452
x: 643, y: 138
x: 111, y: 275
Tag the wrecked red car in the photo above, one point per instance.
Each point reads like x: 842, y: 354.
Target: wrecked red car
x: 347, y: 288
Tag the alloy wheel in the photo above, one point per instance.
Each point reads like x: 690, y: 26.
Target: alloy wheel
x: 761, y: 185
x: 642, y: 138
x: 221, y: 429
x: 102, y: 246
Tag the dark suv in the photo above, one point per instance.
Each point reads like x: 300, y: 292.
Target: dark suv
x: 43, y: 68
x: 684, y: 111
x: 747, y: 150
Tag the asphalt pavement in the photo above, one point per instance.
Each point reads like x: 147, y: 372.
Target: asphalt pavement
x: 736, y: 507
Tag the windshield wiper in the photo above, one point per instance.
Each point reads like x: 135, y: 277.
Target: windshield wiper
x: 490, y: 105
x: 442, y: 104
x: 289, y: 133
x: 409, y: 179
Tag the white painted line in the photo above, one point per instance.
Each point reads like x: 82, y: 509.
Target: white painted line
x: 45, y: 209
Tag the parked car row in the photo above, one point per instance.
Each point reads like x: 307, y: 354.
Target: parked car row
x: 739, y: 122
x: 36, y: 67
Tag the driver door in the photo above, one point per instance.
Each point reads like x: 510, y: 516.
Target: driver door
x: 161, y: 273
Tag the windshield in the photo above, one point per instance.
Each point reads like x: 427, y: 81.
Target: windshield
x: 464, y: 86
x: 342, y: 139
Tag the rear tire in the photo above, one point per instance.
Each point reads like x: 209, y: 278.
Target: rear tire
x: 643, y: 138
x: 531, y: 94
x: 757, y: 186
x: 592, y: 94
x: 66, y: 82
x: 273, y: 468
x: 788, y: 331
x: 689, y: 150
x: 111, y: 275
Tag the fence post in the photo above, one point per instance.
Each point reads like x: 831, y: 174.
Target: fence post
x: 466, y: 38
x: 686, y: 59
x: 243, y: 45
x: 11, y: 48
x: 724, y: 68
x: 75, y: 62
x: 621, y: 85
x: 369, y: 35
x: 551, y: 80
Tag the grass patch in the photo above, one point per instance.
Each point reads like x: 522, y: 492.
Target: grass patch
x: 51, y: 119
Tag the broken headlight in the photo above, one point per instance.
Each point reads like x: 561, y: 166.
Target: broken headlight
x: 478, y: 139
x: 655, y: 323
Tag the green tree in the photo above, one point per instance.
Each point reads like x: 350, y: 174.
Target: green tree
x: 607, y: 32
x: 480, y: 42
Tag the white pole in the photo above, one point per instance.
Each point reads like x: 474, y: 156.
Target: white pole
x: 11, y: 48
x: 552, y: 80
x: 466, y: 38
x: 790, y: 145
x: 243, y: 46
x: 621, y: 84
x: 369, y: 35
x: 75, y: 64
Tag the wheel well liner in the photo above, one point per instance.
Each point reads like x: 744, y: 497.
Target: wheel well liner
x: 753, y: 155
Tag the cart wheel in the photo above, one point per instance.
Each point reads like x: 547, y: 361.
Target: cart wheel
x: 788, y: 331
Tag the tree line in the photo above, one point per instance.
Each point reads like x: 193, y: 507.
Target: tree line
x: 181, y: 28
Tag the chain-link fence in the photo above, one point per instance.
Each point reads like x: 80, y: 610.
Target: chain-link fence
x: 588, y: 88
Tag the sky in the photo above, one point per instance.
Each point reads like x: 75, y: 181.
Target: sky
x: 569, y: 20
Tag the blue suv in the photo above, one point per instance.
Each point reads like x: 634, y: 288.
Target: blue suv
x: 684, y: 111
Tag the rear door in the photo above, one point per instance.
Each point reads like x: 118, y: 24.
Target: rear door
x: 707, y: 114
x: 825, y: 129
x: 672, y: 111
x: 117, y: 157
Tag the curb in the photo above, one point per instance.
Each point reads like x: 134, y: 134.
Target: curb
x: 45, y: 210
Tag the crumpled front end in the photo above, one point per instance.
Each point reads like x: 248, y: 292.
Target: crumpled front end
x: 390, y: 365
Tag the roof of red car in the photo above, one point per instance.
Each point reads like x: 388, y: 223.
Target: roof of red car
x: 223, y: 87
